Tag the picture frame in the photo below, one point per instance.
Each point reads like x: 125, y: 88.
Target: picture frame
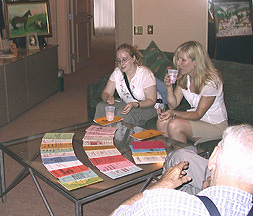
x: 13, y: 49
x: 28, y: 17
x: 232, y: 18
x: 32, y: 42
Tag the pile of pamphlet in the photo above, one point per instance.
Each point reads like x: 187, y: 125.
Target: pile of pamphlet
x: 146, y: 152
x: 58, y: 156
x: 99, y: 147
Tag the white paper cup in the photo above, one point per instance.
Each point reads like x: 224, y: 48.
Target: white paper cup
x: 173, y: 75
x: 109, y: 112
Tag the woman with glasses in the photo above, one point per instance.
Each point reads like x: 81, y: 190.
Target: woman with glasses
x: 135, y: 85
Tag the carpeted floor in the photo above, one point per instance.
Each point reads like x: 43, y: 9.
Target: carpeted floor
x: 60, y: 110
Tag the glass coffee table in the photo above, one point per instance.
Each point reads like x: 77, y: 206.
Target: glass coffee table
x: 26, y: 151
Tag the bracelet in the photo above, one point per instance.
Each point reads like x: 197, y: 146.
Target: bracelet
x: 138, y: 104
x: 174, y: 114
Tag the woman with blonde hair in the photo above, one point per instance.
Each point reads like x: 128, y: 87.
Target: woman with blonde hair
x: 202, y: 86
x: 135, y: 85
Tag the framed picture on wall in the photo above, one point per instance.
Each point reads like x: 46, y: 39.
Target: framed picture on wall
x: 232, y: 18
x: 32, y: 42
x: 28, y: 17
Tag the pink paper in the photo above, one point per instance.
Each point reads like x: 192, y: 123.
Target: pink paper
x: 148, y: 144
x: 115, y: 166
x: 107, y: 160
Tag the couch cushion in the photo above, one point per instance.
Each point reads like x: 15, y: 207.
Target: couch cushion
x: 238, y: 90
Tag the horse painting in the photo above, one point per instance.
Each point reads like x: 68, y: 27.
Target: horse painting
x: 16, y: 20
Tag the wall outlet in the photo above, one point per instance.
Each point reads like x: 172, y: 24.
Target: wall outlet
x: 150, y: 29
x: 138, y: 30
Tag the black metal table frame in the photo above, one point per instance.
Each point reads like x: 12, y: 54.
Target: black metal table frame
x: 29, y: 170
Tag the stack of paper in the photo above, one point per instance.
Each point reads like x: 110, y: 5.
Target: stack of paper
x: 59, y: 158
x: 104, y: 155
x: 145, y: 152
x: 99, y: 135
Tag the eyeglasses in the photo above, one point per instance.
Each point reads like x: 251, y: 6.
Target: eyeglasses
x: 123, y: 61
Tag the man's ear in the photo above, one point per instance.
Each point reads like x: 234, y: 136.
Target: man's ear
x: 213, y: 159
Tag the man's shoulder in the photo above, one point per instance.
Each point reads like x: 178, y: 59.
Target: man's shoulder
x: 170, y: 193
x: 222, y: 190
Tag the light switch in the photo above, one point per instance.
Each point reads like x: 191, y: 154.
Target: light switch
x: 150, y: 29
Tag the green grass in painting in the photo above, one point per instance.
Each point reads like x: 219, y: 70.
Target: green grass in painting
x: 30, y: 26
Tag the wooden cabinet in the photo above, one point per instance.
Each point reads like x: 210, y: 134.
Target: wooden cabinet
x: 26, y: 81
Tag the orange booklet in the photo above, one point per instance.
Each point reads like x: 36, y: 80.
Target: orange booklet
x: 146, y: 134
x: 103, y: 121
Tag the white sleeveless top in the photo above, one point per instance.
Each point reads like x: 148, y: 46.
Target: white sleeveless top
x: 217, y: 113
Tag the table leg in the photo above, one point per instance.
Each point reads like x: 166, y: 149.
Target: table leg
x: 78, y: 209
x: 2, y: 177
x: 22, y: 174
x: 41, y: 192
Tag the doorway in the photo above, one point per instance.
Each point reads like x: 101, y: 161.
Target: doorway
x: 88, y: 19
x: 80, y: 20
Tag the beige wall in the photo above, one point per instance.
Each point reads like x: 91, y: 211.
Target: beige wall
x: 174, y: 21
x: 123, y: 22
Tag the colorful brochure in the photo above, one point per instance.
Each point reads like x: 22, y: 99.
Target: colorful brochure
x: 107, y: 160
x: 148, y: 144
x: 54, y: 160
x: 78, y: 176
x: 81, y: 183
x: 57, y: 137
x: 99, y: 147
x: 69, y: 171
x: 102, y: 153
x: 146, y: 152
x: 115, y: 166
x: 97, y: 129
x: 146, y: 134
x: 114, y: 174
x: 58, y: 156
x: 149, y: 159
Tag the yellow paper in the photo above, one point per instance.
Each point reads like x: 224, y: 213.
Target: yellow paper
x: 103, y: 121
x: 81, y: 183
x: 146, y: 134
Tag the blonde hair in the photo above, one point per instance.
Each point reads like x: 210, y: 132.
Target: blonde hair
x: 204, y: 70
x: 132, y: 51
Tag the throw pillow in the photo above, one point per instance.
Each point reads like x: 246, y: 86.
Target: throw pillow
x: 160, y: 68
x: 156, y: 60
x: 152, y: 46
x: 152, y: 56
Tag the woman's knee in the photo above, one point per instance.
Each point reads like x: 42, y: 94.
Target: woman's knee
x: 174, y: 126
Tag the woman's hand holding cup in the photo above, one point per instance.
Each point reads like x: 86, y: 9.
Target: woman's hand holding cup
x: 167, y: 81
x: 110, y: 100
